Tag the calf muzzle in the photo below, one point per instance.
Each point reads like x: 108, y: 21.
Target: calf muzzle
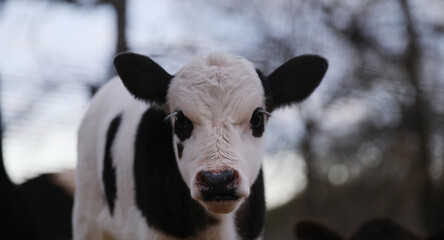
x: 218, y: 185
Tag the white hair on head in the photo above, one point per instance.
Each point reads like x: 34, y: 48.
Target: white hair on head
x: 215, y: 84
x: 217, y: 59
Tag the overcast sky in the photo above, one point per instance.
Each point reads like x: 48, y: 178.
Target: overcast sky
x: 49, y: 51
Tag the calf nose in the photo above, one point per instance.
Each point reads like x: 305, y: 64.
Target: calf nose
x: 218, y: 179
x: 218, y: 185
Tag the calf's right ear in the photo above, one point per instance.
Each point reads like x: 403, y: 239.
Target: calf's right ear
x: 143, y: 77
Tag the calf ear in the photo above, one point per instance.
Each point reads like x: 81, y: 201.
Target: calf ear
x: 143, y: 78
x: 294, y: 81
x: 312, y: 230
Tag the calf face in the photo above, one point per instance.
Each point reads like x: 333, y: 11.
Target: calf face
x: 219, y: 106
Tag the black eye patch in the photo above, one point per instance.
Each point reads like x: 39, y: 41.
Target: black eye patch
x: 257, y: 122
x: 183, y: 127
x: 179, y: 149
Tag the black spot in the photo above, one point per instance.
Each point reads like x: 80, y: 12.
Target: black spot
x: 180, y: 149
x: 183, y: 127
x: 161, y: 194
x: 109, y: 171
x: 257, y: 122
x: 251, y: 215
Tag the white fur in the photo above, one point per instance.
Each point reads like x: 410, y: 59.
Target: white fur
x: 219, y: 94
x: 91, y: 215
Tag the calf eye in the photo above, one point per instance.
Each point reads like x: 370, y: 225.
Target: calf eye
x: 181, y: 123
x: 257, y: 122
x: 182, y: 126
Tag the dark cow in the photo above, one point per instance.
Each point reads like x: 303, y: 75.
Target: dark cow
x: 376, y: 229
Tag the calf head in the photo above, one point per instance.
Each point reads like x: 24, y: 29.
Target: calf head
x: 219, y: 106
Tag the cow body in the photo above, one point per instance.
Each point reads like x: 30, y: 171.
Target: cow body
x: 179, y: 158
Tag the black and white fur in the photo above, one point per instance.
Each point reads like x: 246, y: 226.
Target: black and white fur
x: 151, y: 145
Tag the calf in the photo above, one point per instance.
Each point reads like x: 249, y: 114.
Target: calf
x: 167, y: 157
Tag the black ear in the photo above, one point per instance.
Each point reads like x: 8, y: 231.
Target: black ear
x: 143, y: 78
x: 294, y: 81
x: 312, y: 230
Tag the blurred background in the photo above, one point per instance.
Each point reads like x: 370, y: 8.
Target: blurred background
x: 368, y: 143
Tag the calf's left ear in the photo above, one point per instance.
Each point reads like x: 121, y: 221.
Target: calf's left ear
x: 143, y: 77
x: 294, y: 81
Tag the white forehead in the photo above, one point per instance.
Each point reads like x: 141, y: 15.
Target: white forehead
x: 218, y: 87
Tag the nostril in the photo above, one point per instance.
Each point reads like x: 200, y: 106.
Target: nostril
x: 218, y: 178
x: 218, y: 185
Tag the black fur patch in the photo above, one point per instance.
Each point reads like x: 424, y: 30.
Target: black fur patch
x: 109, y: 171
x: 268, y: 99
x: 257, y: 122
x: 250, y: 217
x: 180, y: 149
x: 183, y: 127
x: 161, y: 194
